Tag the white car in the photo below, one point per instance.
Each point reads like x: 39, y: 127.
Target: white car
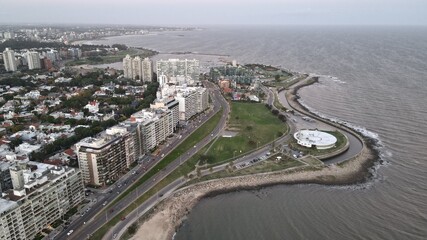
x: 69, y: 233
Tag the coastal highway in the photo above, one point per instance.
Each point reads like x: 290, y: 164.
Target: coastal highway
x: 121, y: 227
x: 86, y: 225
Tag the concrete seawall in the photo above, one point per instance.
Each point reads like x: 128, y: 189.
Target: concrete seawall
x: 170, y: 214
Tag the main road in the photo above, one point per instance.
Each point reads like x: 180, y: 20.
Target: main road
x: 121, y: 227
x: 93, y: 219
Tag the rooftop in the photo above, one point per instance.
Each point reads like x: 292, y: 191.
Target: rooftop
x: 314, y: 137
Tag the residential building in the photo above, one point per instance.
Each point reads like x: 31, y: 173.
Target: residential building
x: 147, y: 70
x: 104, y: 158
x: 9, y: 35
x: 92, y: 107
x: 5, y: 179
x: 155, y: 126
x: 9, y: 60
x: 47, y: 63
x: 53, y: 55
x: 75, y: 52
x: 169, y: 103
x: 137, y: 68
x: 33, y: 59
x: 178, y: 71
x: 127, y: 66
x: 41, y: 194
x: 192, y: 100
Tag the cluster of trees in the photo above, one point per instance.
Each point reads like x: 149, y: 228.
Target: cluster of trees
x: 64, y: 143
x: 95, y: 127
x: 276, y: 112
x: 17, y: 82
x: 120, y: 46
x: 79, y: 101
x: 95, y: 59
x: 26, y: 44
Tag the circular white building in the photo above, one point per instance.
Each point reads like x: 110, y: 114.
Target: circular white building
x: 318, y: 139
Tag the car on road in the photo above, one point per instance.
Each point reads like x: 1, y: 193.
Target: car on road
x: 69, y: 233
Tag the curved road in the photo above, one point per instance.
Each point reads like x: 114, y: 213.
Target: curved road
x: 93, y: 219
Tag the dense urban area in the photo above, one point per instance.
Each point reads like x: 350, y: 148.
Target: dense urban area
x: 73, y: 134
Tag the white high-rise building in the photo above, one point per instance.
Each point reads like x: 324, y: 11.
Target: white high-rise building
x: 137, y: 68
x: 127, y: 66
x: 33, y: 59
x: 192, y: 100
x: 41, y: 194
x: 8, y: 35
x: 147, y: 70
x: 103, y: 159
x: 178, y: 71
x: 155, y: 125
x: 9, y: 60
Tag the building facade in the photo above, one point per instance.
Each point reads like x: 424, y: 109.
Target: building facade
x: 155, y: 126
x: 137, y: 69
x: 9, y: 60
x: 192, y: 100
x: 41, y: 194
x: 33, y: 59
x: 105, y: 158
x: 147, y: 70
x: 127, y: 66
x: 178, y: 71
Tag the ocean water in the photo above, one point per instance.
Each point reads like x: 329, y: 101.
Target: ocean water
x: 378, y: 85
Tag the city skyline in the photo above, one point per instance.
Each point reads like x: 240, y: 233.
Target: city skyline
x: 190, y: 12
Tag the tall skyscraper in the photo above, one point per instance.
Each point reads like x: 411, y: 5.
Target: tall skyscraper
x: 9, y: 60
x: 179, y: 71
x: 127, y: 66
x: 137, y: 68
x: 33, y: 59
x: 147, y: 70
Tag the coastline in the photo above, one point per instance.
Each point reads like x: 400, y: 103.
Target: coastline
x: 165, y: 219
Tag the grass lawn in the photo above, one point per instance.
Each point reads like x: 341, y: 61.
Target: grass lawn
x: 182, y: 170
x: 256, y: 126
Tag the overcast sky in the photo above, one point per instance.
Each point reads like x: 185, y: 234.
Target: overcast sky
x: 201, y: 12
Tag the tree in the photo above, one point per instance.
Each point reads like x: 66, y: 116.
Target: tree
x: 282, y: 117
x: 132, y: 229
x: 277, y: 78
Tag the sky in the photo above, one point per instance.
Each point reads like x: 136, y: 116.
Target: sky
x: 221, y: 12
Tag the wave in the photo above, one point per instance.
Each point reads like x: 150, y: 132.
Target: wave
x: 377, y: 144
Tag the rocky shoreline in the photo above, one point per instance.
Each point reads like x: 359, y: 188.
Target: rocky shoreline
x: 168, y: 216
